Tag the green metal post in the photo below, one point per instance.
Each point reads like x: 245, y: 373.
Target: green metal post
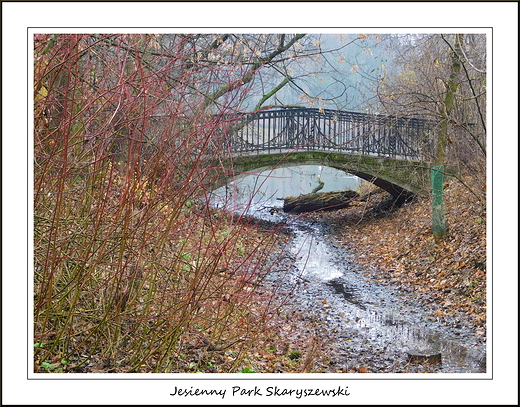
x: 439, y: 225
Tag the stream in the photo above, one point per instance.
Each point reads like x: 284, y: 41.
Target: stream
x: 365, y: 323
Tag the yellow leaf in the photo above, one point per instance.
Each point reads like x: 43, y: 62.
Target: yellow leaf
x: 43, y: 91
x: 42, y: 94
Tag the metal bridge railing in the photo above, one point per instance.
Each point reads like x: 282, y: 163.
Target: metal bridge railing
x: 329, y: 130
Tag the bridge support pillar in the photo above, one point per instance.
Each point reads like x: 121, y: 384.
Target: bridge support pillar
x: 400, y: 194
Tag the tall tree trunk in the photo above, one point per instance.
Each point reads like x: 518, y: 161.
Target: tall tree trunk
x: 446, y: 107
x: 439, y: 223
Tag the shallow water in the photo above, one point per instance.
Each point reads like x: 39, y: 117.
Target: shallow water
x: 253, y: 194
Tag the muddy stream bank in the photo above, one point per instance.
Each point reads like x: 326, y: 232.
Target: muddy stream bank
x: 365, y: 325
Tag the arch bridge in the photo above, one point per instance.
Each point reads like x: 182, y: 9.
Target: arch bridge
x: 391, y: 152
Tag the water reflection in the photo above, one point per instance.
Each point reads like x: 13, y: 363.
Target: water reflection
x: 311, y: 256
x: 256, y: 194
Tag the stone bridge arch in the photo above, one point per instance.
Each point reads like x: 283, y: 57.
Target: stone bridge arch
x: 401, y: 178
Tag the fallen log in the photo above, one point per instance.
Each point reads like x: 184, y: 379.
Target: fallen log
x: 318, y: 201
